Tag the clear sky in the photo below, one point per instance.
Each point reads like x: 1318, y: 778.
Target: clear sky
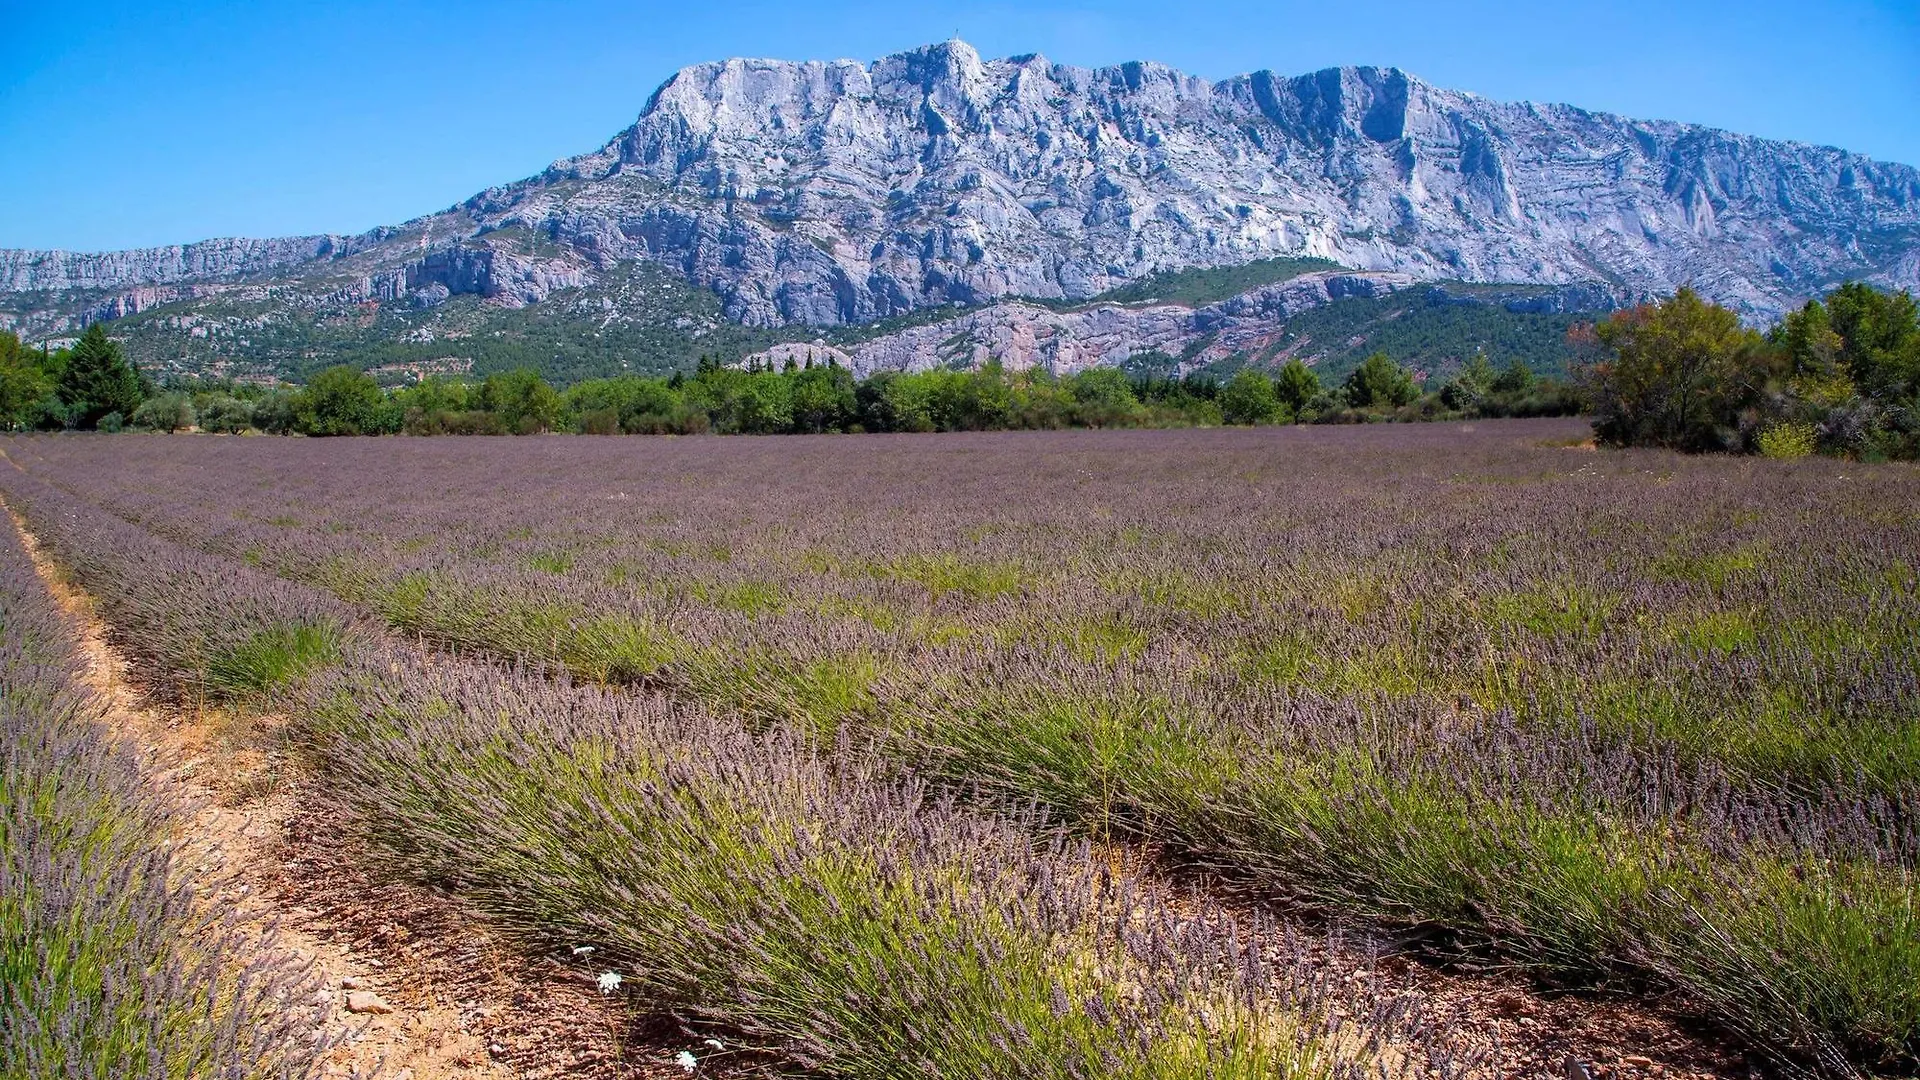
x: 137, y: 123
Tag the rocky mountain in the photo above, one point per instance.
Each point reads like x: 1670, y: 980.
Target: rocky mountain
x: 822, y: 194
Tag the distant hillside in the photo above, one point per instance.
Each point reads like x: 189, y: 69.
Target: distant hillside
x: 1330, y: 319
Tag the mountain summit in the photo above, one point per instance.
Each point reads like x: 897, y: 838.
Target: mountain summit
x: 829, y: 193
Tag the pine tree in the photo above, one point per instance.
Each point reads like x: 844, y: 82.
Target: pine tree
x: 98, y: 380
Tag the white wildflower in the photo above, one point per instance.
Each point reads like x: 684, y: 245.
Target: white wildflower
x: 687, y: 1061
x: 609, y: 981
x: 582, y: 950
x: 716, y: 1044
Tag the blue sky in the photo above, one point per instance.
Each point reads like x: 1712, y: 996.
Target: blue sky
x: 126, y: 124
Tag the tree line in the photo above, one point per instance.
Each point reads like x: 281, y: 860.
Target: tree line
x: 1839, y: 376
x: 93, y: 387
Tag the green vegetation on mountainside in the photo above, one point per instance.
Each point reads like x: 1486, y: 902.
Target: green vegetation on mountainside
x: 1427, y: 331
x: 643, y: 319
x: 1200, y: 286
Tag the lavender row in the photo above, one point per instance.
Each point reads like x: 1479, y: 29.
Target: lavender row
x: 1756, y: 616
x: 109, y: 966
x: 815, y: 903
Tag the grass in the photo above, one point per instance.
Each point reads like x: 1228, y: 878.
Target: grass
x: 271, y: 658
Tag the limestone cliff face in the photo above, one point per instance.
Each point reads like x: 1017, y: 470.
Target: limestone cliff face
x: 825, y: 193
x: 50, y: 271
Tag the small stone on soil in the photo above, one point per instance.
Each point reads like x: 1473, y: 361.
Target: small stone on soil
x: 364, y: 1001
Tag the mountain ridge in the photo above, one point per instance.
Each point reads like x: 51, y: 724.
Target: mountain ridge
x: 825, y: 193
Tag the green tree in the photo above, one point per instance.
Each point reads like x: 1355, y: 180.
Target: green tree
x: 1852, y: 365
x: 24, y: 384
x: 637, y: 403
x: 896, y: 401
x: 1250, y: 398
x: 341, y: 400
x: 1812, y: 348
x: 1103, y: 397
x: 98, y: 380
x: 274, y: 413
x: 1380, y: 383
x: 522, y: 400
x: 1515, y: 380
x: 437, y: 393
x: 765, y: 404
x: 1880, y: 339
x: 823, y: 398
x: 1677, y: 374
x: 226, y: 414
x: 1296, y: 385
x: 168, y: 412
x: 1468, y: 389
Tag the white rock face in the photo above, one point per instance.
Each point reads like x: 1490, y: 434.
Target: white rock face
x: 32, y: 271
x: 824, y: 193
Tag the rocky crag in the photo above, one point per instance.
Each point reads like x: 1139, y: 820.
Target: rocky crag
x: 824, y: 194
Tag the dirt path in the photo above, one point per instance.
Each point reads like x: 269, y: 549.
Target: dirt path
x: 417, y: 989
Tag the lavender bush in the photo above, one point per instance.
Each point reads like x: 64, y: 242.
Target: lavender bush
x: 108, y: 966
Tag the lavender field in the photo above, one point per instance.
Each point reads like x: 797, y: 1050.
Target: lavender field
x: 824, y: 738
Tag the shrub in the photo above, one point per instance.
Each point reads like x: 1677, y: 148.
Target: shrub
x: 1379, y: 383
x: 169, y: 412
x: 1788, y: 439
x: 1250, y: 398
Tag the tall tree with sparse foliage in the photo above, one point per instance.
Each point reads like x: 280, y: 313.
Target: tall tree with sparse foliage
x: 98, y: 380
